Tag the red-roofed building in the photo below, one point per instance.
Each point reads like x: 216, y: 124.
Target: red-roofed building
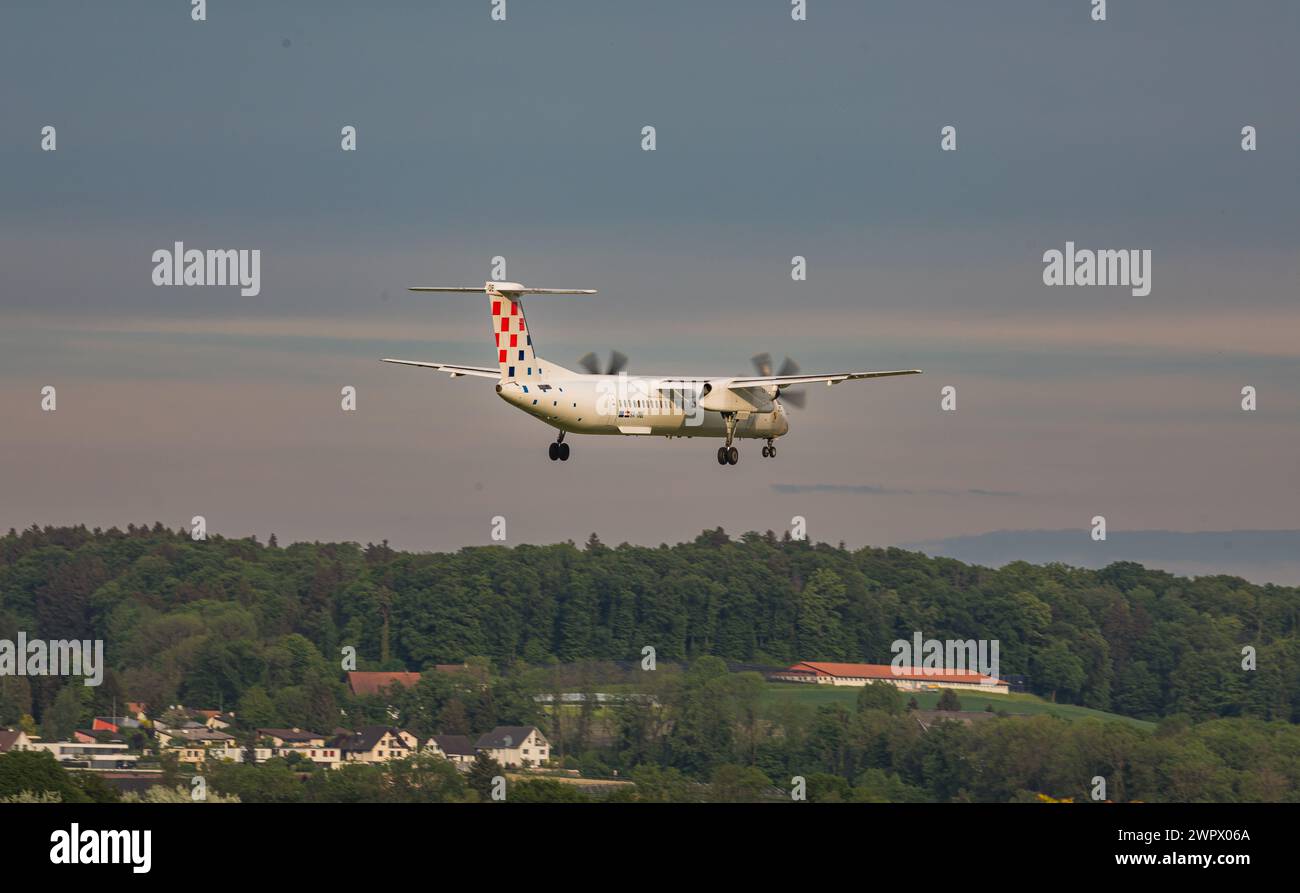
x: 363, y: 682
x: 907, y: 678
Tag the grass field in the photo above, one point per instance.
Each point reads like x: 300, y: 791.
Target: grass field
x: 817, y: 695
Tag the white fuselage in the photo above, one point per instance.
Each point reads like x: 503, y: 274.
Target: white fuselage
x: 608, y: 404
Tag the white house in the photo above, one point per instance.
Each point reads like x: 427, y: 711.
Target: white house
x: 378, y: 744
x: 516, y: 746
x: 94, y: 755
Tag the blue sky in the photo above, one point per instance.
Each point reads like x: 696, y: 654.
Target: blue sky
x: 775, y: 138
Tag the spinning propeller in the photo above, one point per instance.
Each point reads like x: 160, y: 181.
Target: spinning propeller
x: 617, y: 363
x: 790, y: 394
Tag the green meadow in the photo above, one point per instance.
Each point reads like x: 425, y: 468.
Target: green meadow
x: 1023, y: 704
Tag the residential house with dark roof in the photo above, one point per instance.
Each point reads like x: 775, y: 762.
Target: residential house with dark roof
x: 14, y: 740
x: 457, y: 748
x: 378, y: 744
x: 515, y: 746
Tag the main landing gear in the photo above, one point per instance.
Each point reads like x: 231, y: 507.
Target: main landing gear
x: 559, y: 449
x: 728, y: 455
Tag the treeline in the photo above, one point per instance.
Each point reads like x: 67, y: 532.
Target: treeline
x: 711, y: 735
x: 212, y: 623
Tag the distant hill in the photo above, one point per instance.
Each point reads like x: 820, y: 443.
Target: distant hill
x: 1261, y: 556
x: 233, y: 622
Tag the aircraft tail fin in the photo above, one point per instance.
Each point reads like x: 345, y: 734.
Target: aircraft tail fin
x: 511, y: 337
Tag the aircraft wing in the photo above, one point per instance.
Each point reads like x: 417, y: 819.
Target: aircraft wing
x: 455, y: 370
x: 759, y: 381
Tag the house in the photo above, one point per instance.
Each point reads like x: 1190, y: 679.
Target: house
x: 457, y: 748
x: 372, y: 683
x: 515, y: 746
x: 114, y: 724
x: 201, y: 735
x: 308, y: 745
x: 89, y: 755
x: 294, y: 737
x: 193, y: 743
x: 14, y: 740
x: 906, y: 678
x: 377, y: 744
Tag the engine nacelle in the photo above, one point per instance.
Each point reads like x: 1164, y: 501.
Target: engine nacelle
x: 725, y: 399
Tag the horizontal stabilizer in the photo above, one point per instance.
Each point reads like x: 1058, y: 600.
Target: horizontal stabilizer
x: 503, y: 288
x: 454, y: 369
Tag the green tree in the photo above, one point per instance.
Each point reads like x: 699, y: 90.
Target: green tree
x: 481, y: 774
x: 949, y: 701
x: 880, y: 696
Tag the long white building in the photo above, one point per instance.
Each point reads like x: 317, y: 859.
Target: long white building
x: 906, y: 678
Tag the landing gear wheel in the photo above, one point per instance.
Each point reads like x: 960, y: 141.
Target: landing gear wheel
x: 722, y: 455
x: 733, y: 455
x: 564, y: 452
x: 767, y: 451
x: 554, y: 451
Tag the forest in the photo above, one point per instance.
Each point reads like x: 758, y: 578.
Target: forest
x: 263, y: 630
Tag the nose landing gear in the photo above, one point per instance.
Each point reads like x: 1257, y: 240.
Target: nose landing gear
x: 559, y: 449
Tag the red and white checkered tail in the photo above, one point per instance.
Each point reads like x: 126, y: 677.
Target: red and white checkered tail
x: 510, y: 336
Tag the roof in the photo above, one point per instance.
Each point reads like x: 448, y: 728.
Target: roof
x: 459, y: 745
x: 886, y: 671
x: 291, y: 734
x: 8, y: 737
x: 203, y: 733
x: 366, y: 738
x: 366, y: 682
x: 506, y: 736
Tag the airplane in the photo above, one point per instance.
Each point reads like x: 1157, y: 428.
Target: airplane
x: 749, y: 407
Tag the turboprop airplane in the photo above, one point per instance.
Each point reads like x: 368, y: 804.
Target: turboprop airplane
x: 748, y: 407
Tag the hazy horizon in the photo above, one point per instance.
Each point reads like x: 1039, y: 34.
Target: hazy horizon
x: 775, y: 139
